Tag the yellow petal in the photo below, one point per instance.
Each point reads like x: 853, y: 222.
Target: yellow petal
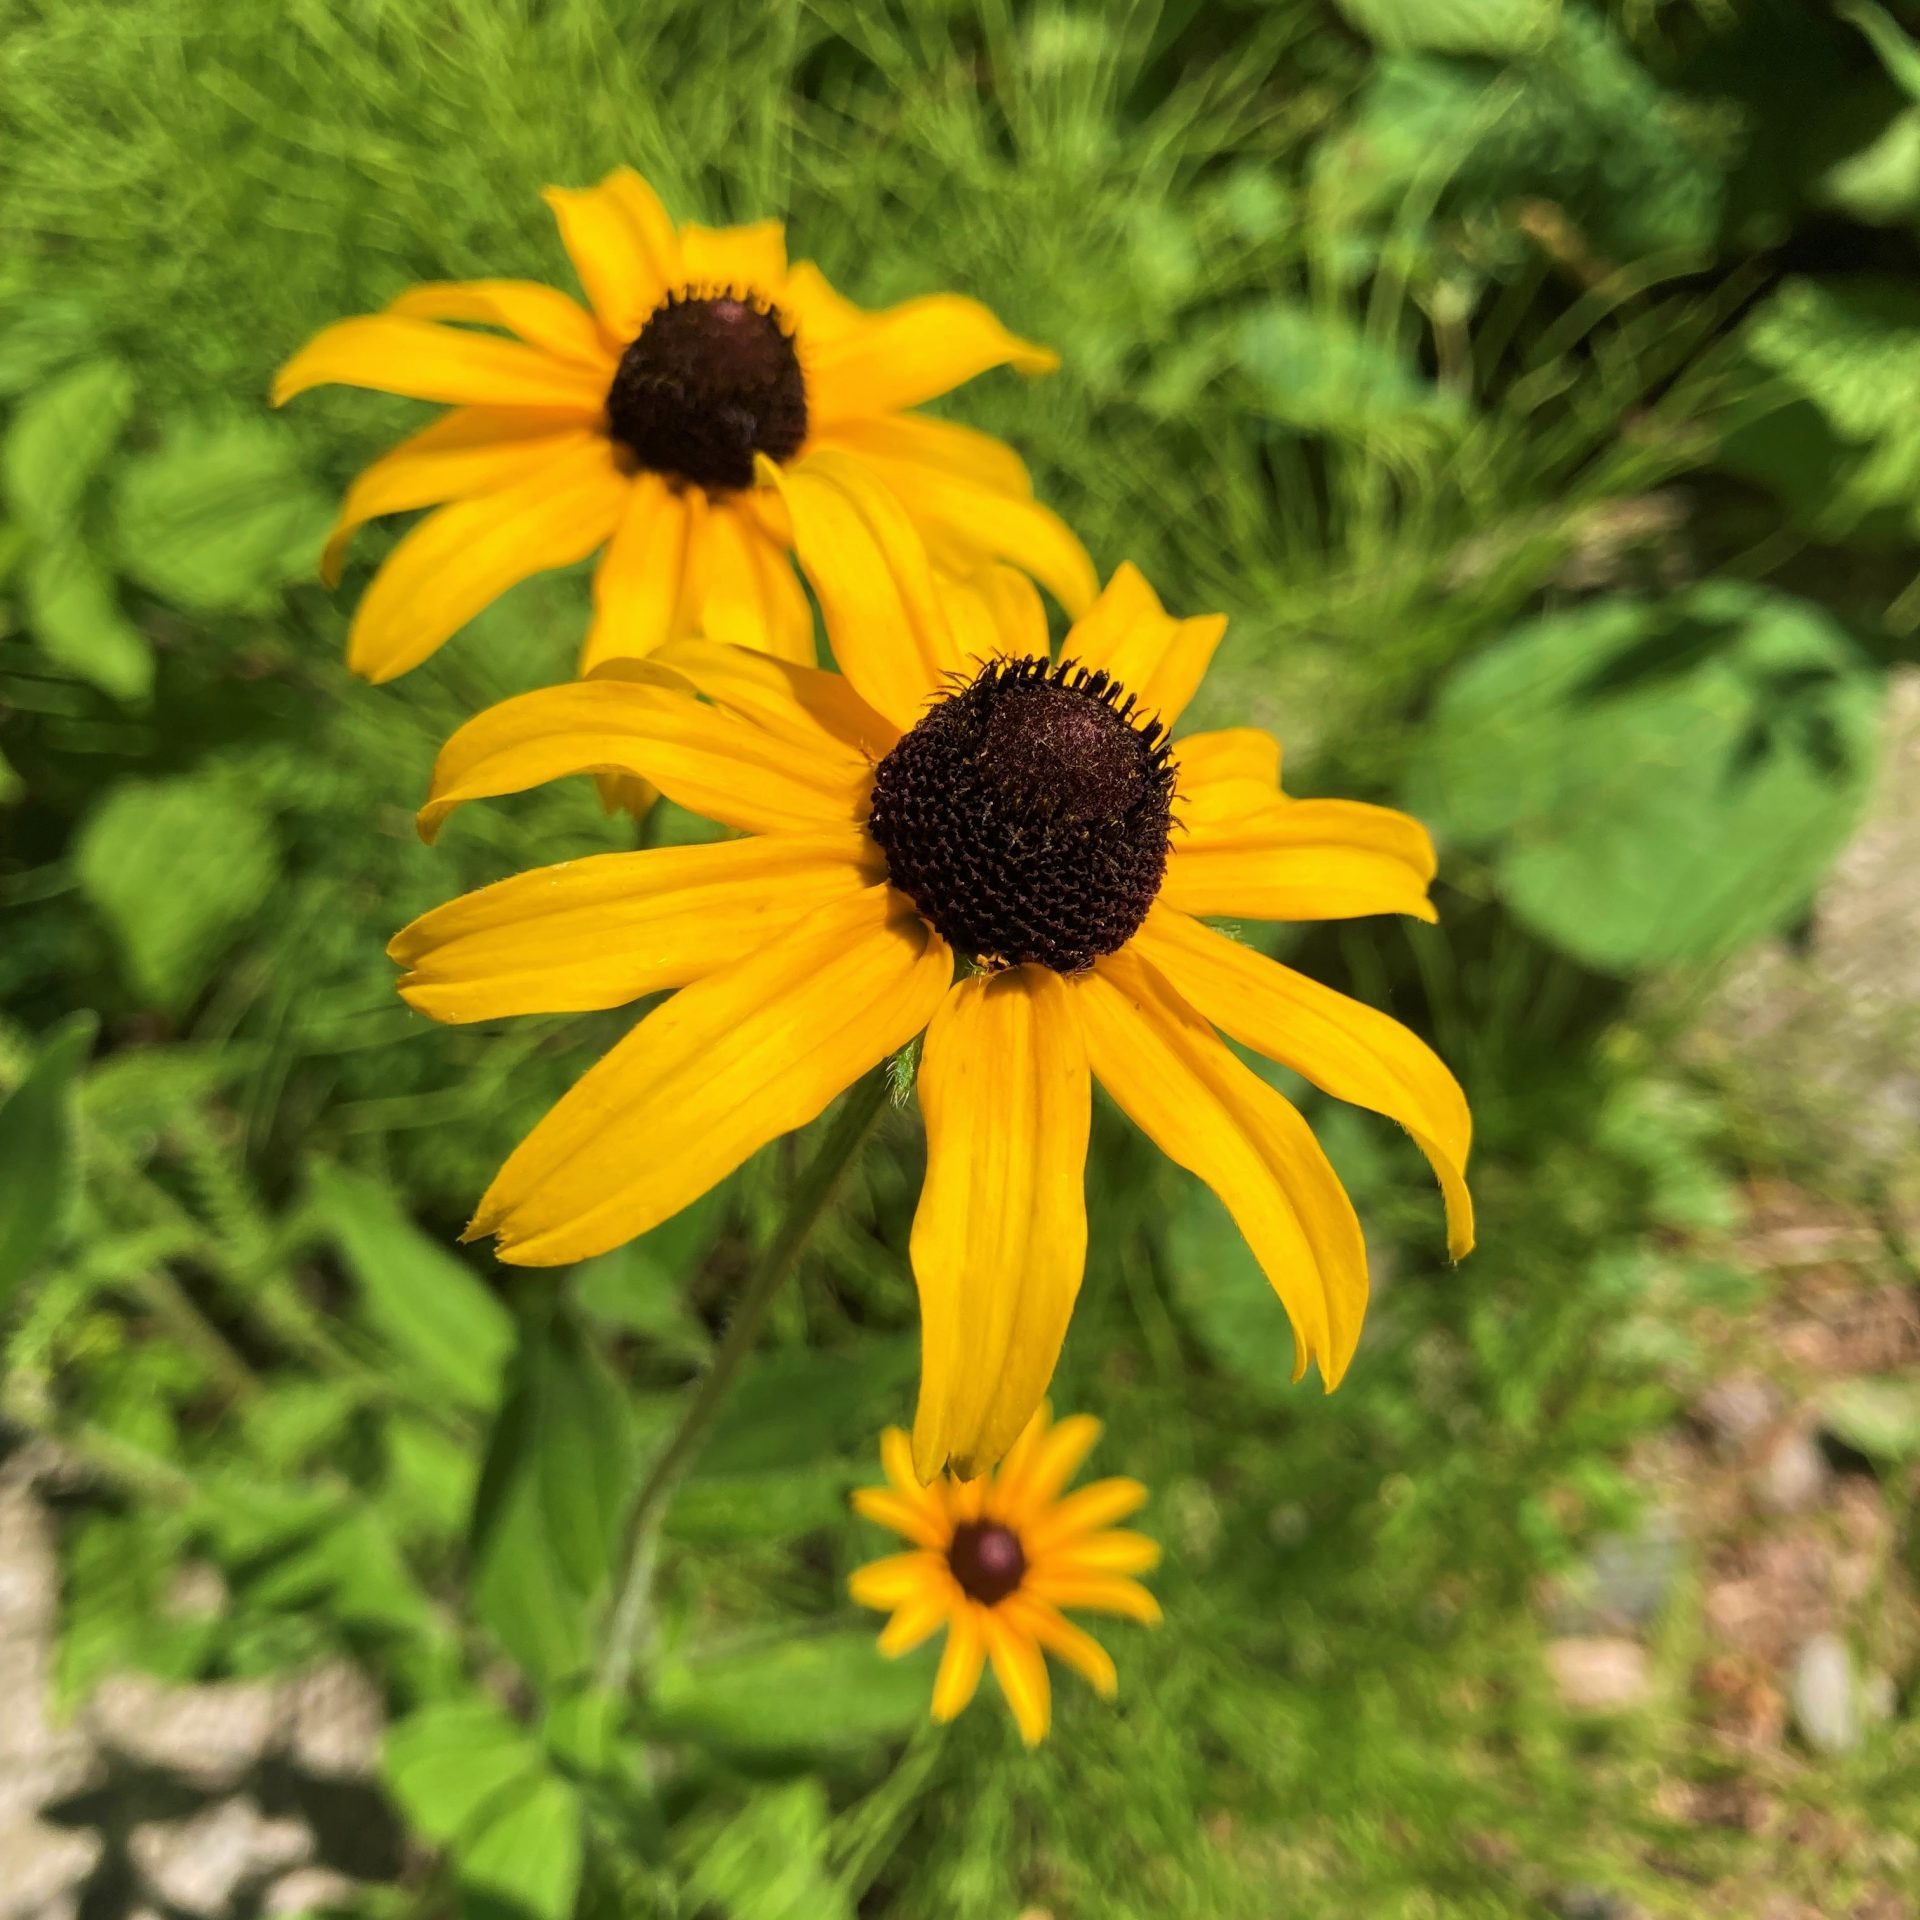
x: 542, y: 316
x: 1129, y: 636
x: 602, y: 931
x: 1302, y: 860
x: 1096, y: 1592
x: 910, y: 353
x: 751, y: 259
x: 858, y: 546
x: 462, y: 557
x: 1040, y: 1621
x: 646, y: 591
x: 472, y: 450
x: 1083, y: 1512
x: 899, y: 1578
x: 622, y: 246
x: 391, y: 353
x: 1022, y: 1674
x: 967, y: 519
x: 896, y: 1459
x: 960, y: 1662
x: 911, y: 1519
x: 729, y: 1063
x: 818, y: 310
x: 1044, y: 1461
x: 805, y: 704
x: 710, y: 762
x: 1114, y: 1550
x: 1345, y: 1048
x: 996, y: 614
x: 752, y: 597
x: 1182, y: 1087
x: 944, y: 446
x: 1000, y: 1237
x: 914, y: 1624
x: 1225, y: 774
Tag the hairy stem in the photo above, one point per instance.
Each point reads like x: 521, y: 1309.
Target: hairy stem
x: 812, y: 1196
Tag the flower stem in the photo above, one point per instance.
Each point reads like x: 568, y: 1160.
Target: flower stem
x: 812, y: 1196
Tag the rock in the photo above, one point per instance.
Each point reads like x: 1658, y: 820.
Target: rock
x: 40, y: 1863
x: 1793, y: 1474
x: 335, y: 1716
x: 1737, y: 1409
x: 308, y: 1890
x: 197, y: 1865
x: 1599, y: 1673
x: 210, y: 1735
x: 1624, y: 1582
x: 1821, y: 1692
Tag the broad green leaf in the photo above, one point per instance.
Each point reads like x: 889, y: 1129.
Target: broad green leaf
x: 816, y: 1694
x: 554, y: 1491
x: 422, y: 1300
x: 775, y: 1505
x: 59, y: 439
x: 36, y: 1151
x: 1455, y: 26
x: 769, y: 1862
x: 1660, y: 783
x: 446, y: 1761
x: 1831, y: 422
x: 1320, y: 373
x: 176, y: 868
x: 219, y: 515
x: 39, y: 331
x: 1898, y: 51
x: 74, y: 616
x: 642, y: 1287
x: 1879, y: 1417
x: 795, y: 1405
x: 520, y: 1857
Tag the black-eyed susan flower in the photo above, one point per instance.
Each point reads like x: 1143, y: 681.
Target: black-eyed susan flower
x: 633, y: 425
x: 964, y: 839
x: 997, y: 1560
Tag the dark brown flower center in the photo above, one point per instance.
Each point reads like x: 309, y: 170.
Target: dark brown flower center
x: 987, y: 1561
x: 711, y: 380
x: 1027, y: 815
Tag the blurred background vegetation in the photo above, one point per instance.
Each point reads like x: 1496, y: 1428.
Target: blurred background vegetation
x: 1538, y: 389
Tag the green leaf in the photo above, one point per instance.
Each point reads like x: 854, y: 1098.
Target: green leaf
x: 446, y: 1761
x: 1898, y: 52
x: 1318, y: 372
x: 1879, y: 1417
x: 39, y: 331
x: 1661, y: 782
x: 1831, y: 422
x: 817, y: 1694
x: 425, y: 1304
x: 521, y: 1858
x: 59, y: 439
x: 769, y: 1862
x: 36, y: 1150
x: 12, y: 787
x: 74, y: 616
x: 553, y: 1494
x: 176, y: 868
x: 1455, y: 26
x: 219, y: 515
x: 642, y: 1286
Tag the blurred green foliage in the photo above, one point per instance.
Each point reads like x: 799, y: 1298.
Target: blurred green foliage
x: 1532, y: 384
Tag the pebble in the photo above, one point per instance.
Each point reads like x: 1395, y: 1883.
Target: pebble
x: 1599, y: 1673
x: 1736, y: 1409
x: 1793, y: 1475
x: 1821, y: 1693
x: 198, y: 1865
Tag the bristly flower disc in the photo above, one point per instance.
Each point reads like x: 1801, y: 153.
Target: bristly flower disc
x: 710, y: 380
x: 1027, y: 815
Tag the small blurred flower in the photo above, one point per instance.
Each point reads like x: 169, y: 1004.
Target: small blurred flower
x: 996, y: 1559
x: 638, y: 427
